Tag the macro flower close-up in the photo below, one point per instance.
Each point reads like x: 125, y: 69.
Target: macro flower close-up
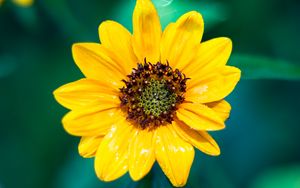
x: 149, y: 96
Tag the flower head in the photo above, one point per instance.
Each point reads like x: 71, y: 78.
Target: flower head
x: 149, y: 96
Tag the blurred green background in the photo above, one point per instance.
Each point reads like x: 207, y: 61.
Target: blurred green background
x: 260, y: 146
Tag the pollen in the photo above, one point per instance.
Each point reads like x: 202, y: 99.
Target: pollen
x: 151, y: 94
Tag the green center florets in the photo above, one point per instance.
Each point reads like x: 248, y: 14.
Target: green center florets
x: 152, y: 94
x: 156, y: 98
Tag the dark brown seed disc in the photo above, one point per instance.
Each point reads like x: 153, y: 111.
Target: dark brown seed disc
x: 151, y: 94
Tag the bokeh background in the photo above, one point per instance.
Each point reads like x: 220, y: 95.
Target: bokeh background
x: 260, y: 146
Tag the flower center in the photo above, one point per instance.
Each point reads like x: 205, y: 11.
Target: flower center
x: 156, y: 98
x: 152, y: 94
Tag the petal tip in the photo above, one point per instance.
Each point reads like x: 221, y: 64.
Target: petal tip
x: 83, y: 45
x: 55, y: 93
x: 67, y: 124
x: 236, y: 71
x: 101, y: 175
x: 135, y: 177
x: 225, y: 43
x: 75, y: 50
x: 216, y: 151
x: 99, y: 171
x: 75, y: 46
x: 192, y: 18
x: 220, y: 125
x: 83, y: 153
x: 103, y: 25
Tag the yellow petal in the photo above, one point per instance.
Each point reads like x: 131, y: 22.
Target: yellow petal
x: 199, y: 117
x: 92, y: 120
x: 85, y: 92
x: 88, y: 146
x: 214, y: 86
x: 24, y: 3
x: 200, y: 139
x: 180, y: 40
x: 146, y: 31
x: 209, y: 56
x: 1, y: 1
x: 96, y: 62
x: 118, y: 39
x: 141, y: 154
x: 111, y: 160
x: 174, y: 155
x: 222, y: 108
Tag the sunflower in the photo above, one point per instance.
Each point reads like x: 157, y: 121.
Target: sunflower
x: 149, y: 96
x: 23, y: 3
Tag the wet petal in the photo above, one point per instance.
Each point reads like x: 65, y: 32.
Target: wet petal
x: 199, y: 117
x: 200, y: 139
x: 180, y: 39
x: 214, y: 87
x: 91, y: 121
x: 209, y: 56
x: 111, y: 160
x: 118, y: 39
x: 222, y: 108
x: 146, y: 31
x: 141, y: 154
x: 174, y: 155
x: 96, y: 62
x: 84, y: 92
x: 88, y: 146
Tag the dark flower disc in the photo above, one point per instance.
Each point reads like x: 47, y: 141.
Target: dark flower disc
x: 152, y: 94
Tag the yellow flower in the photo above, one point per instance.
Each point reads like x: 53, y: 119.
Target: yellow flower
x: 149, y: 96
x: 23, y: 3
